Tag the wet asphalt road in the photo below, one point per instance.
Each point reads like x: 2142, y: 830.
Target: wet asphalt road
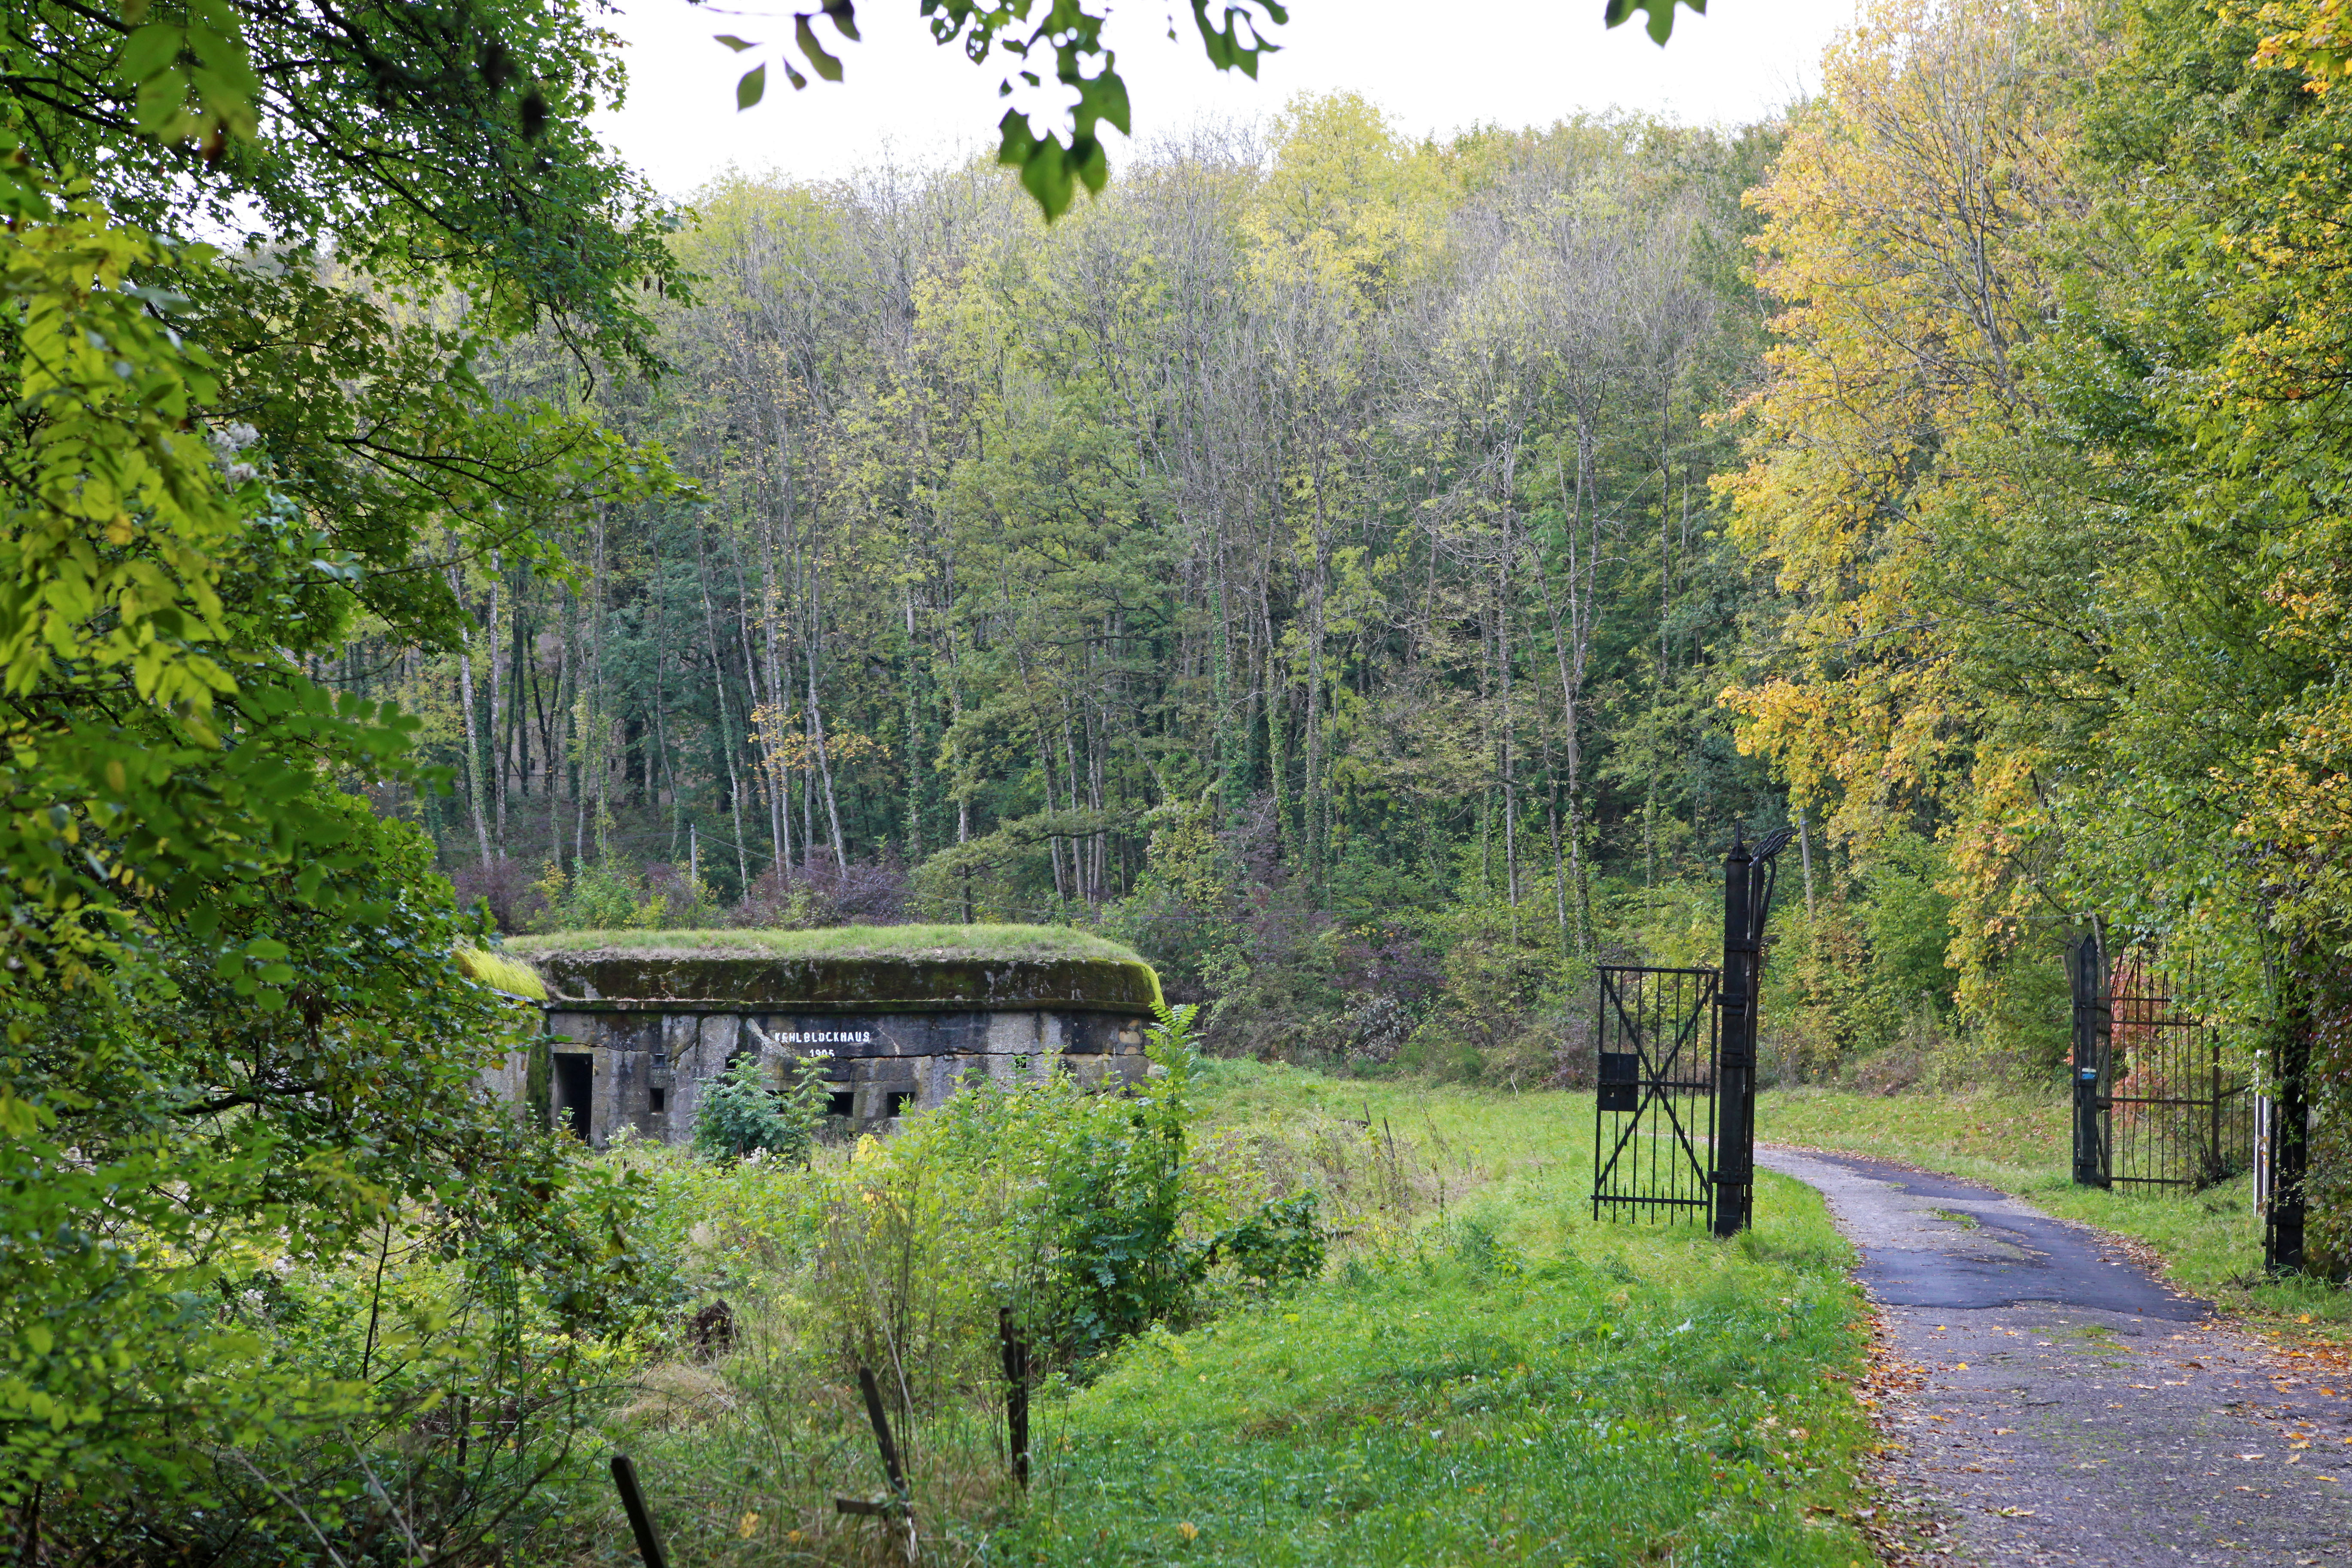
x: 2057, y: 1404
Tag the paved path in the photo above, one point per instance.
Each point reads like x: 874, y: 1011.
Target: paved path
x: 2056, y: 1404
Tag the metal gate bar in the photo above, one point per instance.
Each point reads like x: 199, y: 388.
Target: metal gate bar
x: 1654, y: 1118
x: 2178, y: 1120
x: 2154, y: 1105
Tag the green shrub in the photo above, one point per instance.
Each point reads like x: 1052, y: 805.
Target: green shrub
x: 740, y: 1114
x: 1279, y: 1245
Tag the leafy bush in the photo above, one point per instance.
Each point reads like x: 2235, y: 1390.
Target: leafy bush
x: 605, y: 895
x: 740, y: 1114
x: 280, y: 1274
x: 1281, y: 1245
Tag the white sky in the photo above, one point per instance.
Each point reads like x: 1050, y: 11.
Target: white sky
x: 1434, y: 65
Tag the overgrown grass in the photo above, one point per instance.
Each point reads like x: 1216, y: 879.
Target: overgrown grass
x: 1508, y: 1381
x: 497, y: 970
x: 844, y: 942
x: 1483, y: 1374
x: 2210, y: 1242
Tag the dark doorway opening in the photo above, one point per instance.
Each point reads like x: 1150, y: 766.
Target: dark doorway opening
x: 575, y: 1077
x: 657, y: 1101
x: 896, y: 1101
x: 841, y: 1102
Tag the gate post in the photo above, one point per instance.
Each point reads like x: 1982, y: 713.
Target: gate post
x: 2290, y: 1136
x: 1747, y: 877
x: 2086, y: 964
x: 1735, y: 1130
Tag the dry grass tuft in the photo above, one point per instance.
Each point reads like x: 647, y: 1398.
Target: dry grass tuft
x: 671, y: 1395
x: 501, y: 973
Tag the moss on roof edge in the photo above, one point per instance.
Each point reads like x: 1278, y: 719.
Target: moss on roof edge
x: 848, y: 983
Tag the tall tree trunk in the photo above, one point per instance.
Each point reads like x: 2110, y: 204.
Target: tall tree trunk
x: 661, y: 741
x: 915, y: 850
x: 1276, y: 722
x: 558, y: 756
x: 1080, y: 869
x: 498, y: 730
x: 1572, y: 646
x: 598, y: 713
x: 465, y: 701
x: 519, y: 698
x: 1805, y: 854
x: 823, y: 756
x: 1510, y: 758
x: 725, y: 734
x: 1314, y: 802
x: 767, y: 699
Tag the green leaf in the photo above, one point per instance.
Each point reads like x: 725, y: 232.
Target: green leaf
x: 1102, y: 97
x: 1224, y: 45
x: 161, y: 98
x: 150, y: 49
x: 1047, y: 170
x: 752, y: 88
x: 225, y: 52
x: 825, y: 65
x: 1661, y: 12
x: 734, y: 43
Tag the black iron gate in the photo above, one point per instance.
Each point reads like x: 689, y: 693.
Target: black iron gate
x: 1674, y: 1121
x: 2155, y: 1105
x: 1654, y: 1118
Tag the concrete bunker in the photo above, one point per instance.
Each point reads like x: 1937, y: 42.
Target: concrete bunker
x: 892, y: 1019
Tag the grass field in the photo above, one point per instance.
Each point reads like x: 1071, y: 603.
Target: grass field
x: 2210, y: 1242
x: 1510, y: 1382
x: 1482, y: 1374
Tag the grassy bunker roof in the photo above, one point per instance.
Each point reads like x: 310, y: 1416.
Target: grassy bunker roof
x: 848, y: 968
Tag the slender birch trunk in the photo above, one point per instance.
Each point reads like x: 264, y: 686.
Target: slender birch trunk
x: 465, y: 701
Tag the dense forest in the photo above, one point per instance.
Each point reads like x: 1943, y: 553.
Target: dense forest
x: 1303, y: 561
x: 1374, y: 576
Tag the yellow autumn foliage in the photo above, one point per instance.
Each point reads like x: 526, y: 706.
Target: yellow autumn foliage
x: 1903, y: 244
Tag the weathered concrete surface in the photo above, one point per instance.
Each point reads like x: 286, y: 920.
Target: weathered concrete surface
x: 2054, y: 1404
